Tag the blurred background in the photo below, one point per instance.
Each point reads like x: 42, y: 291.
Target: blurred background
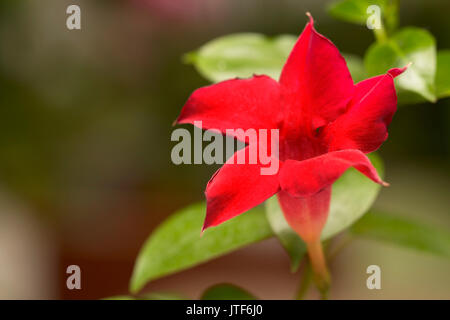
x: 85, y: 169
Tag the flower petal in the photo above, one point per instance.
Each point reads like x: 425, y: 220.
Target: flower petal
x: 315, y: 81
x: 364, y: 125
x: 306, y: 215
x: 234, y: 104
x: 307, y: 177
x: 236, y: 188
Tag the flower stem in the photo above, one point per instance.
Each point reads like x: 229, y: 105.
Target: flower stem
x: 305, y: 281
x: 380, y: 34
x: 391, y: 15
x: 321, y: 275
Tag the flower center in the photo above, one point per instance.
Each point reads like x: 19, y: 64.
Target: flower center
x: 301, y: 147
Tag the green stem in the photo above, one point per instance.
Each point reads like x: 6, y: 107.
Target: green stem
x: 389, y: 23
x: 380, y: 34
x: 321, y: 275
x: 305, y: 281
x: 391, y: 15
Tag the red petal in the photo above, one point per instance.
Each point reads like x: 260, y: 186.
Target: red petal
x: 306, y: 215
x: 398, y: 71
x: 315, y: 81
x: 364, y: 125
x: 307, y: 177
x: 236, y: 188
x: 234, y: 104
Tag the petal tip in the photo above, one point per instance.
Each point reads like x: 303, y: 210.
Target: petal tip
x: 394, y: 72
x: 385, y: 184
x: 311, y: 20
x: 204, y: 227
x: 181, y: 119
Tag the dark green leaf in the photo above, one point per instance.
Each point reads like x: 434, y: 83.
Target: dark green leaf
x: 400, y: 231
x: 176, y: 244
x: 409, y: 45
x: 226, y: 291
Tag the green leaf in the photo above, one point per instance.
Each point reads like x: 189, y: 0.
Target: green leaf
x: 443, y: 74
x: 354, y: 11
x: 405, y: 97
x: 409, y: 45
x: 291, y: 242
x: 352, y: 195
x: 244, y: 54
x: 442, y: 81
x: 400, y: 231
x: 177, y: 245
x: 227, y: 291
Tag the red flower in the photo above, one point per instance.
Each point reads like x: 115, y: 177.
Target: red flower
x: 327, y: 124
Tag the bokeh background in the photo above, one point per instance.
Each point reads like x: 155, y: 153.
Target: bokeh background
x: 85, y: 170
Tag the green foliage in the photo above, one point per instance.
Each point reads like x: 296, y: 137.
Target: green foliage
x: 225, y: 291
x: 427, y: 79
x: 409, y: 45
x: 354, y: 11
x: 242, y: 55
x: 400, y: 231
x: 245, y: 54
x: 176, y: 244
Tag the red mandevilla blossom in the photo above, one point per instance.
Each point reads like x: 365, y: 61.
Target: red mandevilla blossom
x: 326, y: 125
